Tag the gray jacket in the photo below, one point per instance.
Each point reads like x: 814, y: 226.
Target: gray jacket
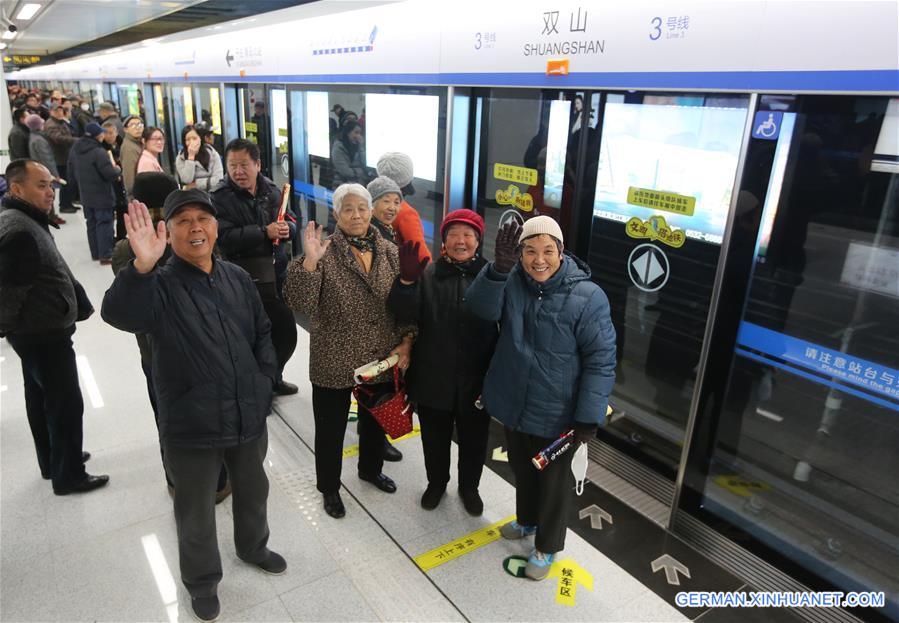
x: 191, y: 171
x: 39, y: 149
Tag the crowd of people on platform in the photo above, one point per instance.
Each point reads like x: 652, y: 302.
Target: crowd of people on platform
x: 206, y: 280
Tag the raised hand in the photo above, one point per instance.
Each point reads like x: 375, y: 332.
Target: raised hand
x: 314, y: 246
x: 506, y: 250
x: 411, y: 267
x: 147, y: 242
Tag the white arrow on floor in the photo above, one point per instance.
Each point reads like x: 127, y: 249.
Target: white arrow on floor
x: 596, y: 515
x: 499, y: 455
x: 671, y: 566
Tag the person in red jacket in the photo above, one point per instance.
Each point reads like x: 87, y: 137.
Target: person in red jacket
x: 407, y: 225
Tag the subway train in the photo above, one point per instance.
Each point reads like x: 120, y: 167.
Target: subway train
x: 728, y: 170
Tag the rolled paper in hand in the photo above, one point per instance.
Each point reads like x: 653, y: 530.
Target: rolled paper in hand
x: 282, y: 210
x: 369, y: 371
x: 553, y: 451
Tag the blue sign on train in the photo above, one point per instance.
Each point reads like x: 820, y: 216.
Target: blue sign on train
x: 766, y: 125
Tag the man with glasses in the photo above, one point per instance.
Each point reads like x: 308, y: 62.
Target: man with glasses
x: 130, y: 151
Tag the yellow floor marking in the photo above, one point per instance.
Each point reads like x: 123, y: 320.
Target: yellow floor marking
x: 353, y: 450
x: 461, y: 546
x: 570, y: 574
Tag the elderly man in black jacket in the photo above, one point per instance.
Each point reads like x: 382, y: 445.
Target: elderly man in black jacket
x: 40, y: 300
x: 248, y: 204
x: 213, y: 369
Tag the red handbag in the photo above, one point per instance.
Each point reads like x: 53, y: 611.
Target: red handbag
x: 392, y: 410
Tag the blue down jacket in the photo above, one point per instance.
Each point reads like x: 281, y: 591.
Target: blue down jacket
x: 554, y: 364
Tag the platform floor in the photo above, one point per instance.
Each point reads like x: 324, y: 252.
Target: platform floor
x: 111, y: 555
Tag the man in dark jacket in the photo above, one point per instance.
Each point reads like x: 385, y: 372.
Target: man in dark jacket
x: 552, y: 371
x: 248, y: 204
x: 61, y: 136
x: 450, y: 356
x: 18, y: 135
x: 40, y: 300
x: 90, y: 167
x: 213, y: 370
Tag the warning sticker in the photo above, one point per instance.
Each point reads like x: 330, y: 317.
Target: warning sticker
x: 661, y: 200
x: 655, y: 229
x: 512, y: 173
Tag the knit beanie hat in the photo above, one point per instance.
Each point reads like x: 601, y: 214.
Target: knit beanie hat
x: 151, y: 188
x: 541, y: 225
x: 397, y: 166
x: 383, y: 185
x: 465, y: 217
x: 34, y: 122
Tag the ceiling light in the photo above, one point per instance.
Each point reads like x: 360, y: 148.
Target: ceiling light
x: 8, y: 35
x: 28, y: 11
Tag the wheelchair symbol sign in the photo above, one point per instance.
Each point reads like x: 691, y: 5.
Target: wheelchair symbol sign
x: 766, y: 125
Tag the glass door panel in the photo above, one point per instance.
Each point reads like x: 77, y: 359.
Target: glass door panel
x: 664, y: 180
x: 209, y: 104
x: 279, y: 152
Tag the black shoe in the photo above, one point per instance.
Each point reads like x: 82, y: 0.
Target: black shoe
x: 432, y: 496
x: 85, y: 457
x: 88, y: 484
x: 381, y: 481
x: 472, y: 501
x: 392, y: 454
x: 206, y: 609
x: 283, y: 388
x: 273, y: 565
x: 334, y: 505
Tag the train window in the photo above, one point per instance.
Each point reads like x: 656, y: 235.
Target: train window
x: 209, y: 107
x: 803, y: 455
x: 278, y: 147
x: 527, y: 152
x: 665, y: 169
x: 388, y: 121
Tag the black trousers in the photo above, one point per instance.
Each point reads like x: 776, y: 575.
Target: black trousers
x: 284, y: 330
x: 147, y: 367
x: 195, y: 471
x: 471, y: 426
x: 542, y: 498
x: 330, y: 408
x: 66, y: 196
x: 54, y: 406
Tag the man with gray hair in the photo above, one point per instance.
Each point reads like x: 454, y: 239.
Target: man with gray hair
x: 213, y: 370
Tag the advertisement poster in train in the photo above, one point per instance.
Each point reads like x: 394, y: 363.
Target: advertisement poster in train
x: 664, y: 188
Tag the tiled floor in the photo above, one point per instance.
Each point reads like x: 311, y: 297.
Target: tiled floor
x: 111, y: 555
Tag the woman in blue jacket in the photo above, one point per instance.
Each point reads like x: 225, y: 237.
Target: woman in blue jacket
x: 553, y: 370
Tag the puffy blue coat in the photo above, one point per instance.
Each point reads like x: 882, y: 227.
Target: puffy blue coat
x: 554, y: 364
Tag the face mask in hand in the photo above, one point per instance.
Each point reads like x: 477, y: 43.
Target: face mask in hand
x: 579, y: 468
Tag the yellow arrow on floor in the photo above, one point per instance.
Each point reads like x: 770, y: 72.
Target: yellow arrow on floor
x: 500, y: 455
x: 570, y: 574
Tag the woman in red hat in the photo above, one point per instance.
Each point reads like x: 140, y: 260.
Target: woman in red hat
x: 450, y: 357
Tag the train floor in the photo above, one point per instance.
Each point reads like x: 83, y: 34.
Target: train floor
x: 111, y: 555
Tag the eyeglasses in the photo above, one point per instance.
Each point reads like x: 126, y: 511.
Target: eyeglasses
x: 138, y: 124
x: 156, y: 138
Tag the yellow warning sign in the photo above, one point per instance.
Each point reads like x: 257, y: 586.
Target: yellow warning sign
x: 743, y: 487
x: 512, y: 173
x: 655, y: 228
x: 570, y: 574
x: 514, y: 197
x: 661, y: 200
x: 249, y: 126
x: 353, y: 450
x: 460, y: 547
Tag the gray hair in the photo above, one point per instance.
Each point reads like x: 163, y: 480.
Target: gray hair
x: 349, y: 189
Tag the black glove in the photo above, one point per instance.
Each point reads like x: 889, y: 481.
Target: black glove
x: 411, y: 267
x: 85, y: 308
x: 505, y: 252
x: 584, y: 433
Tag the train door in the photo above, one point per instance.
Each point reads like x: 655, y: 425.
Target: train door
x: 663, y: 173
x: 278, y: 145
x: 232, y: 115
x: 209, y: 110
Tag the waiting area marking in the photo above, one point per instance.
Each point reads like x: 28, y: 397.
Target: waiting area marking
x: 461, y: 546
x: 353, y: 450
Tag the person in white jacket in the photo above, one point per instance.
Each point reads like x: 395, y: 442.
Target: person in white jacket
x: 198, y: 164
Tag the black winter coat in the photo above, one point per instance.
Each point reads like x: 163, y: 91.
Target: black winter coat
x: 453, y: 349
x: 95, y: 177
x: 214, y: 364
x: 242, y: 219
x: 18, y: 141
